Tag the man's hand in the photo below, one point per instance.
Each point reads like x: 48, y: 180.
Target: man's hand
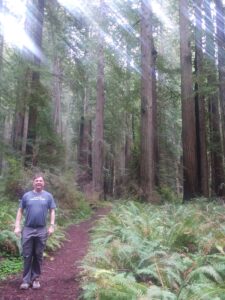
x: 17, y: 230
x: 51, y: 229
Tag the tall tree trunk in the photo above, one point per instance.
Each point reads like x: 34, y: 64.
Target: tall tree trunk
x: 56, y: 95
x: 188, y: 107
x: 147, y: 166
x: 57, y: 72
x: 2, y: 117
x: 220, y: 25
x: 84, y: 144
x: 217, y: 171
x: 203, y: 173
x: 37, y: 9
x: 128, y: 116
x: 155, y: 121
x: 84, y: 141
x: 98, y: 142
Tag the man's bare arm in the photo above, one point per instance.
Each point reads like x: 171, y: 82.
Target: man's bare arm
x: 19, y: 216
x: 52, y: 221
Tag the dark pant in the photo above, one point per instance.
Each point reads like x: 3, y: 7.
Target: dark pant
x: 33, y: 245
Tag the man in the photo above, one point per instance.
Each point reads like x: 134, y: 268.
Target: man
x: 36, y: 204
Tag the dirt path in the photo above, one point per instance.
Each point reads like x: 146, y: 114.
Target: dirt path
x: 60, y: 277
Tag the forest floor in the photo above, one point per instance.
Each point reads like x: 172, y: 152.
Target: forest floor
x: 60, y: 274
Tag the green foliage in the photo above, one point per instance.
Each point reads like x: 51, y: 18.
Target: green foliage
x: 56, y: 240
x: 7, y: 214
x: 9, y: 242
x: 172, y: 251
x: 71, y: 203
x: 15, y: 178
x: 9, y: 266
x: 168, y: 195
x: 108, y: 285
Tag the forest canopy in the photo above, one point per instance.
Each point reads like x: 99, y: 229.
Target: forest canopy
x: 128, y: 95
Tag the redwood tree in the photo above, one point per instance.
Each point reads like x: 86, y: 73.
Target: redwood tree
x: 98, y: 141
x: 203, y: 173
x: 147, y: 167
x: 190, y: 178
x: 216, y: 153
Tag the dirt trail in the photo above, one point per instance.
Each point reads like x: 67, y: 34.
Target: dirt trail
x: 60, y: 277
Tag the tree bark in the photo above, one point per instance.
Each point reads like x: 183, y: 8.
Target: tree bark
x: 220, y: 25
x: 203, y: 172
x: 98, y: 142
x: 147, y: 165
x: 188, y: 107
x: 216, y: 153
x: 35, y: 32
x: 56, y: 93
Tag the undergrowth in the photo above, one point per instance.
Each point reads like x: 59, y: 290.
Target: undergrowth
x: 10, y: 265
x: 172, y: 251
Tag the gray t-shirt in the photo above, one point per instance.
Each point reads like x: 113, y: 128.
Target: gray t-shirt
x: 36, y: 206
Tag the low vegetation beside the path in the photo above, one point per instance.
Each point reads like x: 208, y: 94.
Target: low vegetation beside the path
x: 142, y: 251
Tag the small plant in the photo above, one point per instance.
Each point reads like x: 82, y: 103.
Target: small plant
x: 168, y: 195
x: 56, y: 240
x: 9, y: 242
x: 10, y: 266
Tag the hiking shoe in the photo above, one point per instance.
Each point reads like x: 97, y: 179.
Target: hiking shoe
x: 24, y: 286
x: 36, y: 284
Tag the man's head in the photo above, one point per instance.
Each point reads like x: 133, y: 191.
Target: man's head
x: 38, y: 182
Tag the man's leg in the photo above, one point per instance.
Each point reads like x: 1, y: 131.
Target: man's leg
x: 27, y: 248
x: 39, y: 246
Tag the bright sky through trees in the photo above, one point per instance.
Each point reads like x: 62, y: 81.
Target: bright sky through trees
x: 12, y: 23
x: 13, y: 18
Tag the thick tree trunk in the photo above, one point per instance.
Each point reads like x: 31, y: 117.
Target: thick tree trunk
x: 220, y: 25
x: 203, y: 173
x: 98, y: 142
x: 147, y: 165
x: 35, y: 32
x: 2, y: 119
x: 188, y: 107
x: 217, y: 171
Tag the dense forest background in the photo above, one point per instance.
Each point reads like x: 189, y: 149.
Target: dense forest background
x: 127, y: 95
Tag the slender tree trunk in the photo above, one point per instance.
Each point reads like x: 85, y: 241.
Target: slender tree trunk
x: 203, y: 173
x: 188, y: 107
x: 84, y: 142
x: 147, y: 106
x: 98, y: 142
x: 119, y: 167
x: 155, y: 121
x: 56, y: 93
x: 128, y: 118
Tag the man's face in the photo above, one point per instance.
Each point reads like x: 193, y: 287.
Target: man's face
x: 38, y: 184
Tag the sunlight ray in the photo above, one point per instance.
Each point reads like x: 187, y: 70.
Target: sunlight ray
x: 12, y: 21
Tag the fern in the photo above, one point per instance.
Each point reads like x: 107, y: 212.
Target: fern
x: 109, y: 285
x: 9, y: 242
x: 157, y: 293
x: 173, y: 251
